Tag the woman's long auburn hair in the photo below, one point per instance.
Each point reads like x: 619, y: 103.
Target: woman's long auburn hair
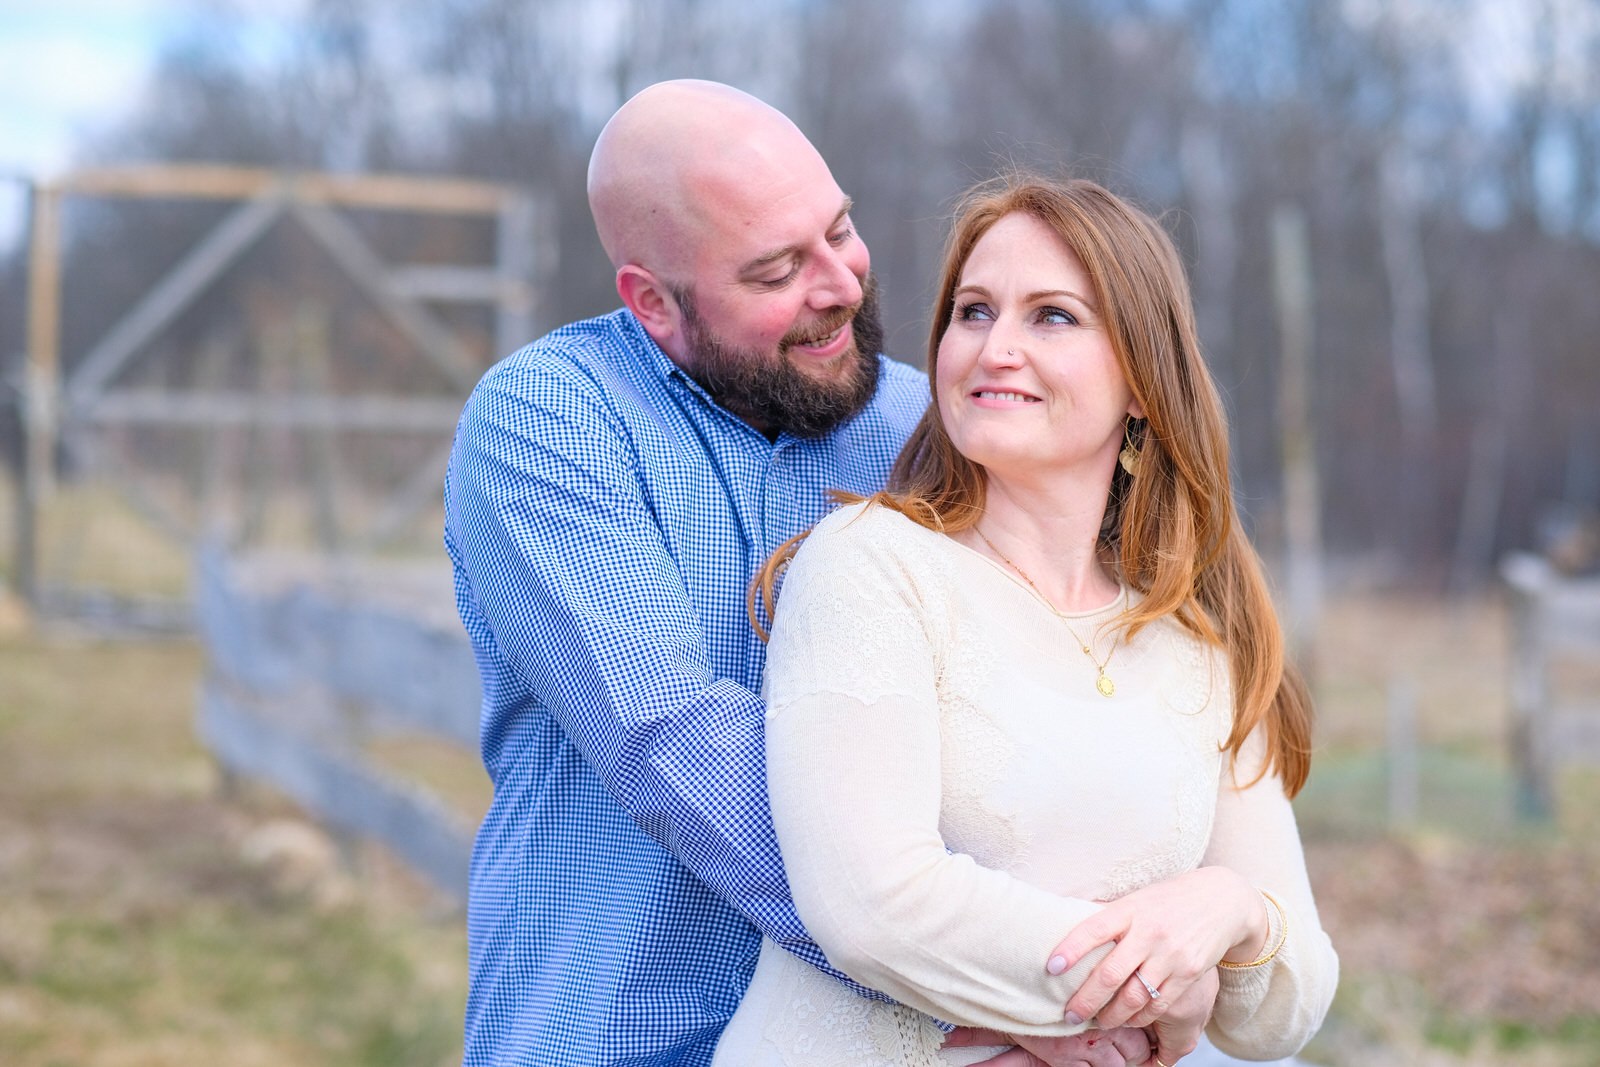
x: 1173, y: 529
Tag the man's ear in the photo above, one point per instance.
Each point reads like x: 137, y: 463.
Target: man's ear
x: 651, y: 302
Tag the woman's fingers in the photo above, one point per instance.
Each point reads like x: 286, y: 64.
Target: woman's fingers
x: 1132, y: 1006
x: 1107, y: 988
x: 1101, y: 928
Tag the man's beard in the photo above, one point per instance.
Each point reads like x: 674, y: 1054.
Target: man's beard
x: 774, y: 392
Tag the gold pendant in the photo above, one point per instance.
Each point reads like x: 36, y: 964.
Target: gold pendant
x: 1105, y: 685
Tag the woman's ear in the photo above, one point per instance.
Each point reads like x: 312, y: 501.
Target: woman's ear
x: 1135, y: 409
x: 651, y: 302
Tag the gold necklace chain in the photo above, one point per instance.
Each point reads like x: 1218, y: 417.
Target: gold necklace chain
x: 1103, y: 683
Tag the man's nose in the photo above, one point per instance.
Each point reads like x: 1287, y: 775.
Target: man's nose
x: 837, y: 284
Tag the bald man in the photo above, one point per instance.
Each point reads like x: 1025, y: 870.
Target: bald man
x: 612, y: 489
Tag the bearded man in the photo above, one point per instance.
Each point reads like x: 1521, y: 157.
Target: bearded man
x: 612, y: 488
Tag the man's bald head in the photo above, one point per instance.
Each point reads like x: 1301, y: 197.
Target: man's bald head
x: 682, y: 158
x: 735, y: 252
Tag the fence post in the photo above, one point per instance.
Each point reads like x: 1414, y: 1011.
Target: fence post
x: 1405, y: 790
x: 1302, y: 505
x: 41, y: 384
x: 1528, y: 577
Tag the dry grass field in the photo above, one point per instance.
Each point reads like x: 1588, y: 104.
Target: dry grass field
x: 150, y: 916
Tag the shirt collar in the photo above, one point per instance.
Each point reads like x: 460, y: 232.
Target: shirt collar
x: 671, y: 374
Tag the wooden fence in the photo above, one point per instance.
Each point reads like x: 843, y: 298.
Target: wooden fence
x: 1555, y: 624
x: 311, y: 658
x: 72, y: 401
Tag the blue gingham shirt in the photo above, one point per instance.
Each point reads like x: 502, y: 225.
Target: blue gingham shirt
x: 604, y: 517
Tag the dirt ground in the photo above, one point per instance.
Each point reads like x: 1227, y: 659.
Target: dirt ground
x: 150, y: 916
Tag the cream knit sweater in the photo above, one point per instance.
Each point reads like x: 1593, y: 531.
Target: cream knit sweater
x: 952, y: 795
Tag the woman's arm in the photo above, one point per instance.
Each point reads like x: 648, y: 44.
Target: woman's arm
x: 1272, y: 1008
x: 853, y: 751
x: 1249, y: 909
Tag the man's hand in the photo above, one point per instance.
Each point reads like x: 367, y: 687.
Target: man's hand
x: 1092, y: 1048
x: 1178, y: 1029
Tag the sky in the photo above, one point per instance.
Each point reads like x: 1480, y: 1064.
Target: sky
x: 69, y: 67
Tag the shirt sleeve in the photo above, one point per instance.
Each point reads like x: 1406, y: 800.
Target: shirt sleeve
x: 574, y: 581
x: 854, y: 776
x: 1270, y: 1010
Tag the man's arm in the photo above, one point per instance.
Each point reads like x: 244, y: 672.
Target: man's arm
x: 573, y: 578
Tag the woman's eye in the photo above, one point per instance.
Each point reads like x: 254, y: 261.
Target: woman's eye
x: 973, y: 312
x: 1057, y: 315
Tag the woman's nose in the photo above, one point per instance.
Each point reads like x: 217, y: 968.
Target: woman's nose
x: 1003, y: 347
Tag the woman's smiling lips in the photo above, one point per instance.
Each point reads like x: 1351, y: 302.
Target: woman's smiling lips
x: 1001, y: 398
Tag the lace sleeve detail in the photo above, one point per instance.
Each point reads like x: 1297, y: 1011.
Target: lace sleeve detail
x: 850, y: 617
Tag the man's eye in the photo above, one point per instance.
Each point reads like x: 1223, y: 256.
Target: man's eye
x: 842, y: 236
x: 778, y: 282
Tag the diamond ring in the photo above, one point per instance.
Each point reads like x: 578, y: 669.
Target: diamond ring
x: 1155, y: 994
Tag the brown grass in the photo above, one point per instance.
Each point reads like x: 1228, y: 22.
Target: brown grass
x: 1466, y: 937
x: 147, y: 918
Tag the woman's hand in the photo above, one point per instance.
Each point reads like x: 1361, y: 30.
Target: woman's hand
x: 1172, y: 934
x: 1092, y: 1048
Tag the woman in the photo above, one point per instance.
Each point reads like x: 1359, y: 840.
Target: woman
x: 1038, y: 686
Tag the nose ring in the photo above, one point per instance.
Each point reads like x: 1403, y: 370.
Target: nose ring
x: 1011, y: 351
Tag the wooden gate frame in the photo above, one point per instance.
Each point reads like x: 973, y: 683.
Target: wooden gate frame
x: 56, y: 411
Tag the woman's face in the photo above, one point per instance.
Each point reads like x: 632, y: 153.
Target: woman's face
x: 1028, y: 383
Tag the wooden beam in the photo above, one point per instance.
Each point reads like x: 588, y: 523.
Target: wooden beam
x: 173, y: 293
x: 227, y: 408
x: 185, y: 182
x: 524, y: 255
x: 379, y: 192
x: 366, y: 269
x: 394, y: 192
x: 451, y: 283
x: 42, y: 383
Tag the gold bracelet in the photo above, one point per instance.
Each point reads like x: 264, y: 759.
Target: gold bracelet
x: 1283, y: 935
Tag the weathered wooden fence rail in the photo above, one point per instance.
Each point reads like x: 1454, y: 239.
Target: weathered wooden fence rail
x: 1555, y: 619
x: 310, y: 659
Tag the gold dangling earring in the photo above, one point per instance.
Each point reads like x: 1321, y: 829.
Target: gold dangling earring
x: 1129, y: 456
x: 1129, y: 459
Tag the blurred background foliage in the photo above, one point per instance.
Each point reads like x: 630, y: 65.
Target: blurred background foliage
x: 1446, y: 157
